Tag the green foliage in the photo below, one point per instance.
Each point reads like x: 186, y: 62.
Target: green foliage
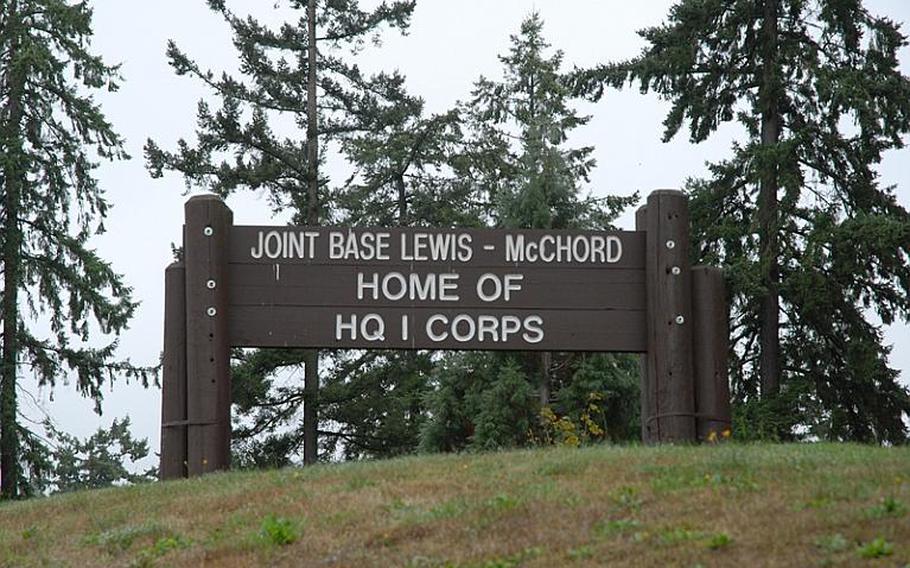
x: 515, y: 148
x: 256, y: 138
x: 817, y: 89
x: 242, y: 144
x: 613, y: 527
x: 876, y: 548
x: 832, y: 543
x: 719, y: 540
x: 118, y: 540
x: 52, y: 133
x: 278, y: 530
x: 504, y: 410
x: 888, y: 507
x: 375, y: 402
x: 602, y: 397
x: 101, y: 460
x: 161, y: 547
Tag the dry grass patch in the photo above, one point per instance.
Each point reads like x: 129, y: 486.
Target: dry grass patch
x: 778, y: 505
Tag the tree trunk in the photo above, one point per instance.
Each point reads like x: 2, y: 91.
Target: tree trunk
x: 402, y: 201
x: 12, y: 257
x: 769, y: 99
x: 311, y: 357
x: 546, y: 360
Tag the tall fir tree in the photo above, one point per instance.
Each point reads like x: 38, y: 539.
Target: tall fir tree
x: 814, y: 245
x: 371, y: 403
x: 295, y: 76
x: 517, y: 160
x: 51, y: 134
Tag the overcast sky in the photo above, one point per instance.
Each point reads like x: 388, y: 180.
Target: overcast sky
x: 449, y: 45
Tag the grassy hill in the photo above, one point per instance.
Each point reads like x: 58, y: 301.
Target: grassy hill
x: 787, y: 505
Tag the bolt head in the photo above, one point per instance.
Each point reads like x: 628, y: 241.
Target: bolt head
x: 208, y: 231
x: 680, y: 320
x: 210, y: 284
x: 211, y: 311
x: 671, y: 245
x: 676, y: 271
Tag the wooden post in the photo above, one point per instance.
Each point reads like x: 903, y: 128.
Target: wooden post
x: 646, y: 383
x: 668, y: 282
x: 711, y: 337
x: 173, y: 375
x: 206, y: 234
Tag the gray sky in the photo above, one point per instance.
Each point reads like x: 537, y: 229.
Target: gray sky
x: 449, y: 45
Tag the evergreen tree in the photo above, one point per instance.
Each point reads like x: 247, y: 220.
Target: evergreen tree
x: 295, y: 76
x: 813, y: 243
x: 516, y: 159
x: 404, y: 176
x: 516, y: 152
x: 101, y: 460
x: 51, y: 133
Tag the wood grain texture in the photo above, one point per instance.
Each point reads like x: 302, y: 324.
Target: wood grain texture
x: 173, y: 375
x: 605, y: 330
x: 711, y: 340
x: 206, y: 245
x: 670, y: 317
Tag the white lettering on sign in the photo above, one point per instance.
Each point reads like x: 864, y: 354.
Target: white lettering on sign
x: 440, y: 247
x: 498, y: 288
x: 586, y: 249
x: 464, y: 328
x: 395, y: 286
x: 285, y: 244
x: 372, y: 327
x: 366, y: 245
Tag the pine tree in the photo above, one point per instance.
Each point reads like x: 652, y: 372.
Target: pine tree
x: 815, y: 246
x: 101, y: 460
x: 516, y: 159
x: 295, y: 75
x: 51, y: 133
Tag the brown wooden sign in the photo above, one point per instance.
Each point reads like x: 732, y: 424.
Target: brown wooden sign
x: 415, y: 288
x: 436, y: 289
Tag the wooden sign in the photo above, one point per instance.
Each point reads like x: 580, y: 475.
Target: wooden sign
x: 415, y: 288
x: 436, y: 289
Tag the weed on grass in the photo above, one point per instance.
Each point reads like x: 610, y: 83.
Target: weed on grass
x: 583, y: 552
x: 29, y: 533
x: 119, y: 540
x: 358, y: 483
x: 627, y: 498
x: 502, y: 502
x: 718, y: 541
x: 877, y: 548
x: 448, y: 509
x: 675, y: 535
x: 888, y: 507
x: 612, y: 527
x: 147, y: 556
x: 832, y: 544
x: 513, y: 560
x: 278, y: 530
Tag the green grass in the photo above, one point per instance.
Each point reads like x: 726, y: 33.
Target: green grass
x: 789, y: 505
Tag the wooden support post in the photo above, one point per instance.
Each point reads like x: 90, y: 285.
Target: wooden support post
x: 668, y: 282
x: 646, y: 383
x: 206, y: 234
x: 173, y: 375
x: 711, y: 338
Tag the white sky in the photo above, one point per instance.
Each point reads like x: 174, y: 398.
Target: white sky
x: 449, y: 45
